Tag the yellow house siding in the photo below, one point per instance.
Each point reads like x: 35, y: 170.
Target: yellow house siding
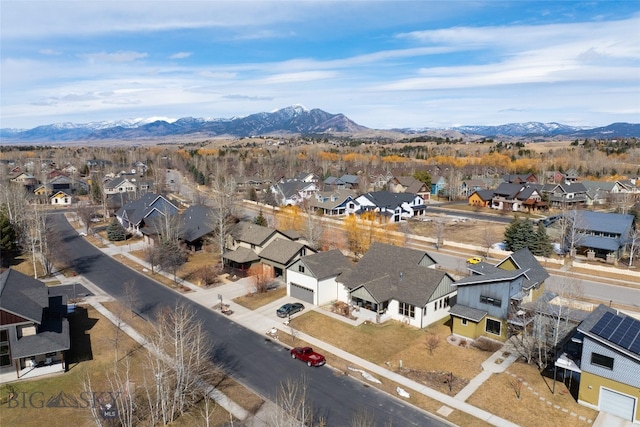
x: 508, y: 265
x: 537, y: 292
x: 503, y: 329
x: 591, y: 396
x: 470, y: 330
x: 475, y: 200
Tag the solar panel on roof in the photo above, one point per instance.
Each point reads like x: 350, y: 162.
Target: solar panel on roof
x: 635, y: 346
x: 608, y: 330
x: 621, y: 330
x: 628, y: 337
x: 604, y: 320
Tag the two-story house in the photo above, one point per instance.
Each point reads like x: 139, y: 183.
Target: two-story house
x: 313, y: 278
x: 332, y: 203
x: 408, y: 184
x: 395, y: 207
x: 134, y: 215
x: 610, y: 363
x: 489, y: 301
x: 517, y: 198
x: 567, y: 194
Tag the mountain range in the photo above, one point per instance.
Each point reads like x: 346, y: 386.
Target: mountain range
x: 294, y: 120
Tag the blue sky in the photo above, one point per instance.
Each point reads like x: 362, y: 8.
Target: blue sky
x: 383, y: 64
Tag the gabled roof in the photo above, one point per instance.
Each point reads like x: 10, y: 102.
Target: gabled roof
x: 22, y: 295
x: 388, y: 271
x: 52, y: 336
x: 525, y: 260
x: 605, y: 222
x: 467, y: 312
x: 485, y: 195
x: 116, y: 182
x: 251, y: 233
x: 282, y: 251
x: 349, y: 179
x: 196, y: 222
x: 326, y: 264
x: 389, y: 200
x: 241, y: 255
x: 411, y: 184
x: 137, y: 210
x: 525, y: 265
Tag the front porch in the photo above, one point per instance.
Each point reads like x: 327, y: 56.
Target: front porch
x: 10, y: 374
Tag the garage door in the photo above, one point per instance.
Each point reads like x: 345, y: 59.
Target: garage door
x: 617, y: 404
x: 301, y: 293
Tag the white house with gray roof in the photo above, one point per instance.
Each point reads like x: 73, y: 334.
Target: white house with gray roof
x: 395, y: 207
x: 398, y: 283
x: 313, y: 278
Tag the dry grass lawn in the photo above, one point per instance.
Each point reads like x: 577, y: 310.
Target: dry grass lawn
x: 471, y: 232
x: 530, y: 409
x: 392, y: 342
x: 253, y: 301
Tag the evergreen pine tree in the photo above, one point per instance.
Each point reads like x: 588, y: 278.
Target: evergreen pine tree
x: 519, y: 234
x: 260, y: 220
x: 542, y: 246
x: 116, y: 232
x: 8, y: 238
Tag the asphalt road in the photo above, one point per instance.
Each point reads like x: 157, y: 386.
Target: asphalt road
x: 245, y: 355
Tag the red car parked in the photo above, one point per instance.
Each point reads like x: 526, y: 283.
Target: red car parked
x: 306, y: 354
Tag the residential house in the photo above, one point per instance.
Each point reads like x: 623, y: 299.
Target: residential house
x: 24, y: 178
x: 281, y: 253
x: 120, y: 184
x: 34, y: 334
x: 344, y: 182
x: 196, y: 224
x: 600, y: 234
x: 398, y: 283
x: 609, y: 363
x: 380, y: 180
x: 571, y: 176
x: 135, y: 215
x: 408, y: 184
x: 490, y: 299
x: 313, y: 278
x: 517, y: 198
x: 332, y: 203
x: 471, y: 185
x: 520, y: 178
x: 481, y: 198
x: 393, y: 207
x: 568, y: 194
x: 246, y: 241
x: 438, y: 185
x: 61, y: 199
x: 293, y: 191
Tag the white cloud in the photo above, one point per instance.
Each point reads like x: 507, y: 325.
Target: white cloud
x: 117, y: 57
x: 49, y: 52
x: 181, y: 55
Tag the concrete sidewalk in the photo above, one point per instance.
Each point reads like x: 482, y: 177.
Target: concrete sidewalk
x: 262, y: 321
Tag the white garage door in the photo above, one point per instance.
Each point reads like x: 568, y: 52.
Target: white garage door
x: 617, y: 404
x: 302, y: 293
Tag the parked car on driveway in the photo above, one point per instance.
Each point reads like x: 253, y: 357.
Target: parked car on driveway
x: 307, y: 355
x: 289, y: 309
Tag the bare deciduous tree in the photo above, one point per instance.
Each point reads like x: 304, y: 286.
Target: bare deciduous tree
x: 293, y: 407
x: 224, y: 207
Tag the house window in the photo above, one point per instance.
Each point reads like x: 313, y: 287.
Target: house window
x: 405, y: 309
x: 464, y: 322
x: 435, y: 306
x: 301, y: 268
x: 602, y: 360
x: 253, y: 246
x: 4, y: 348
x: 491, y: 301
x: 493, y: 326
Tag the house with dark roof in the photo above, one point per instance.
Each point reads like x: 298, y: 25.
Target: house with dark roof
x: 120, y: 184
x: 135, y: 215
x: 313, y: 278
x: 34, y: 334
x: 520, y: 178
x: 490, y: 299
x: 196, y: 224
x: 600, y: 234
x: 344, y: 182
x: 292, y: 192
x: 246, y: 241
x: 517, y: 198
x: 566, y: 194
x: 609, y: 364
x: 281, y: 253
x: 393, y: 207
x: 398, y: 283
x: 332, y: 203
x: 408, y: 184
x: 481, y: 198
